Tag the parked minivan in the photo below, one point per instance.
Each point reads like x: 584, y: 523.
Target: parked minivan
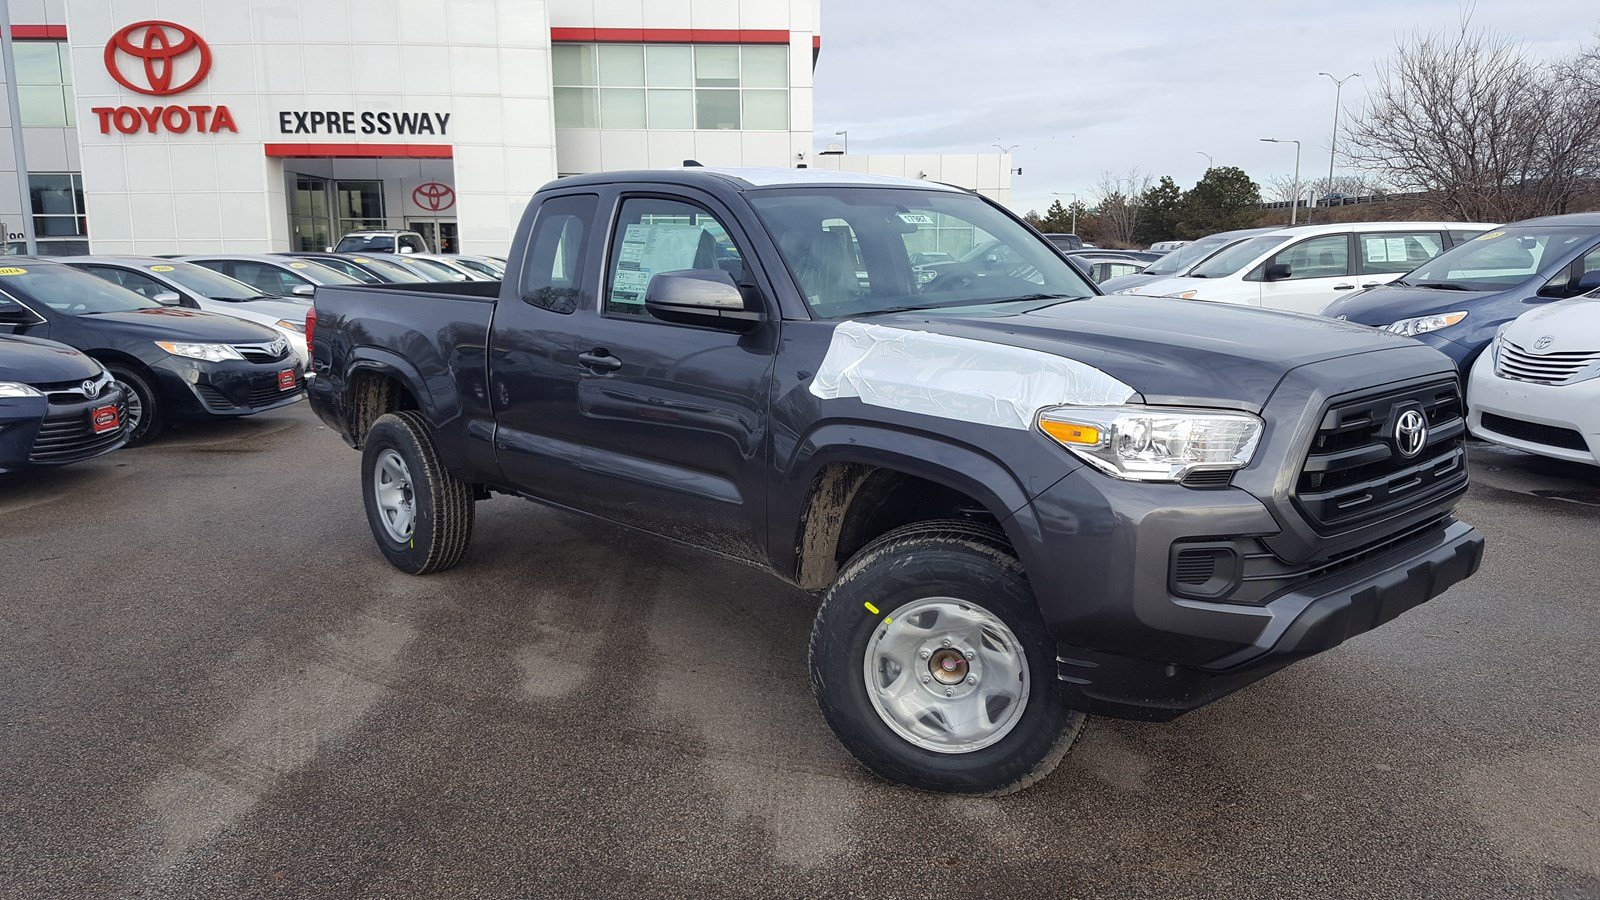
x: 1306, y: 267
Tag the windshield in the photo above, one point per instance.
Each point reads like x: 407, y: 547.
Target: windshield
x: 206, y: 283
x: 390, y: 272
x: 1500, y: 259
x: 481, y: 267
x: 69, y: 291
x: 438, y: 270
x: 1179, y: 259
x: 1232, y: 259
x: 852, y: 250
x: 368, y: 243
x: 317, y: 273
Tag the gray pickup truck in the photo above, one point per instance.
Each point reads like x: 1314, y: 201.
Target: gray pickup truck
x: 1022, y: 502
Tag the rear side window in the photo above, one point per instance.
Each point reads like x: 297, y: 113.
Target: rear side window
x: 1395, y: 252
x: 553, y: 271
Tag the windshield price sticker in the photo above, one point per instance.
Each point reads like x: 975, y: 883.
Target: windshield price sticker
x: 916, y: 218
x: 161, y: 268
x: 12, y: 270
x: 298, y: 266
x: 1490, y: 235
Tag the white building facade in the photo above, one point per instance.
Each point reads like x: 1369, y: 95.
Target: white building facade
x: 187, y: 126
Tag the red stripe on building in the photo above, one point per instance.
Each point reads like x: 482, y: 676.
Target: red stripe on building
x: 816, y: 42
x: 668, y: 36
x: 39, y: 32
x: 362, y: 151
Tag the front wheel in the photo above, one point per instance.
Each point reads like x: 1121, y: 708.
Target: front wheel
x: 420, y: 514
x: 933, y: 667
x: 141, y: 406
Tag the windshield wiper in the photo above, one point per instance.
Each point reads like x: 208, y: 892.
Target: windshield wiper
x: 1443, y: 286
x: 1402, y: 282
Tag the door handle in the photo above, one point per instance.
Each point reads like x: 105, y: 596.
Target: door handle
x: 1372, y: 284
x: 599, y: 360
x: 1344, y: 287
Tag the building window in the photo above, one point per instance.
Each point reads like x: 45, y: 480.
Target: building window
x: 44, y: 83
x: 359, y: 206
x: 672, y: 86
x: 57, y: 204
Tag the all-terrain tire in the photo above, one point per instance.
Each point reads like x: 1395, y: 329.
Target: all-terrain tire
x: 954, y: 559
x: 442, y: 503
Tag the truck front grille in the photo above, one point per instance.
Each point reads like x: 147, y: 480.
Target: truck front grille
x: 1357, y: 471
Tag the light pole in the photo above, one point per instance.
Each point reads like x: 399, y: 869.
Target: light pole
x: 846, y: 135
x: 1294, y: 205
x: 1210, y: 163
x: 1333, y: 140
x: 1005, y: 150
x: 1073, y: 207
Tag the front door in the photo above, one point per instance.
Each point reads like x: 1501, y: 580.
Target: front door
x: 1319, y: 273
x: 665, y: 428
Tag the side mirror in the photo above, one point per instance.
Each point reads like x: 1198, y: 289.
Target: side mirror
x: 168, y: 298
x: 1277, y: 272
x: 327, y: 249
x: 304, y: 290
x: 707, y: 297
x: 407, y: 250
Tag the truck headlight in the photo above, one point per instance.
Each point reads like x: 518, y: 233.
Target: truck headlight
x: 1150, y: 443
x: 204, y: 352
x: 1424, y: 324
x: 18, y: 389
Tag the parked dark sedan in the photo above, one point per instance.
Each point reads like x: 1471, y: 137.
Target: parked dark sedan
x: 57, y: 406
x: 173, y: 363
x: 1459, y: 299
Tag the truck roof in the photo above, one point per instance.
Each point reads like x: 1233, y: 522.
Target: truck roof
x: 750, y: 178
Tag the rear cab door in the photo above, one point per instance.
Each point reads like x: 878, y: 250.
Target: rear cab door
x: 658, y: 425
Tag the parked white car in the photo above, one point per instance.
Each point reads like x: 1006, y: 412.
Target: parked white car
x: 1537, y: 386
x: 1304, y: 268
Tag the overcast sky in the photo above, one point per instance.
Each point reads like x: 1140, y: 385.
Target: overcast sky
x: 1087, y: 86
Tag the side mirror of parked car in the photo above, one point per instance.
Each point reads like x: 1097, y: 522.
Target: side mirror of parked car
x: 168, y: 298
x: 1277, y: 272
x: 304, y: 290
x: 707, y: 297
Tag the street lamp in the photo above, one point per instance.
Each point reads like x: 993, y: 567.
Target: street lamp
x: 1073, y: 207
x: 1338, y: 89
x: 1210, y: 163
x: 1294, y: 205
x: 846, y: 135
x: 1005, y: 150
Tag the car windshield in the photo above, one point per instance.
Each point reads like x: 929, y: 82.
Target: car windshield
x: 206, y: 283
x: 851, y: 250
x: 367, y: 243
x: 317, y: 273
x: 1500, y: 259
x: 438, y: 270
x: 388, y: 271
x: 69, y: 291
x: 481, y: 267
x: 1232, y: 259
x: 1180, y: 259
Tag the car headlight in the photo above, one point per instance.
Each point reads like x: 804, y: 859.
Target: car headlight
x: 205, y: 352
x: 1186, y: 295
x: 1424, y: 324
x: 1151, y: 443
x: 296, y: 327
x: 18, y: 389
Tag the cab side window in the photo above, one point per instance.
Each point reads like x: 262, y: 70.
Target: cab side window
x: 1320, y: 257
x: 413, y: 243
x: 266, y: 279
x: 1395, y: 252
x: 656, y: 235
x: 557, y: 250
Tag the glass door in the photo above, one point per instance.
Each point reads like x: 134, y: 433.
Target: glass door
x: 309, y: 224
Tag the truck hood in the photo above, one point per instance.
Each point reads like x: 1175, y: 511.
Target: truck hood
x: 177, y: 324
x: 1172, y: 352
x: 34, y: 361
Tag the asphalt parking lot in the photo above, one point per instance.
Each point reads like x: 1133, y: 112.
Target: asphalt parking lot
x: 212, y: 685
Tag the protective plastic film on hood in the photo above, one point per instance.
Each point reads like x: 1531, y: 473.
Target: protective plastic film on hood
x: 956, y: 378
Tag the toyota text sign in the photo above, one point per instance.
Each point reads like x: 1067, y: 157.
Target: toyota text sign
x: 160, y: 59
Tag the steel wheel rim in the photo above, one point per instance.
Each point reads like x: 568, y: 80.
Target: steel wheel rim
x: 132, y: 406
x: 391, y: 489
x: 911, y: 666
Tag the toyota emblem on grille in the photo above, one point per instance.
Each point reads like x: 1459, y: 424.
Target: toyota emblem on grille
x: 91, y: 389
x: 1410, y: 433
x: 278, y: 346
x: 1544, y: 342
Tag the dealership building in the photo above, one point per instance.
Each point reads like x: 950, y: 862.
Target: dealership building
x: 176, y: 126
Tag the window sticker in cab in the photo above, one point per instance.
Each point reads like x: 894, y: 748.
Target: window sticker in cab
x: 956, y: 378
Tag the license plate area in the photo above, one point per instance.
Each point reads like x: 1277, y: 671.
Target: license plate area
x: 104, y: 419
x: 287, y: 380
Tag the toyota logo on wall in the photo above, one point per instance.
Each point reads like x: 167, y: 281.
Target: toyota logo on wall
x: 157, y: 58
x: 434, y: 196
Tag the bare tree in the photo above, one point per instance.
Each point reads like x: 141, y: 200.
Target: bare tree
x: 1117, y: 204
x: 1484, y: 132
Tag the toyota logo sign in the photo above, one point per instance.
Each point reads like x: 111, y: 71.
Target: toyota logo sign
x: 146, y: 57
x: 434, y: 196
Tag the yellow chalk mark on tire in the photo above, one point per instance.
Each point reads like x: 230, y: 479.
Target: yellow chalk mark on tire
x: 870, y: 608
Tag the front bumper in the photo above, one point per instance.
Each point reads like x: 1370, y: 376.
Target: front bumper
x: 1536, y: 418
x: 198, y: 389
x: 35, y: 432
x: 1313, y: 617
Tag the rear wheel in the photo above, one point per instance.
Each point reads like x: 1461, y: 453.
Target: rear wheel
x: 932, y: 665
x: 420, y: 514
x: 140, y: 403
